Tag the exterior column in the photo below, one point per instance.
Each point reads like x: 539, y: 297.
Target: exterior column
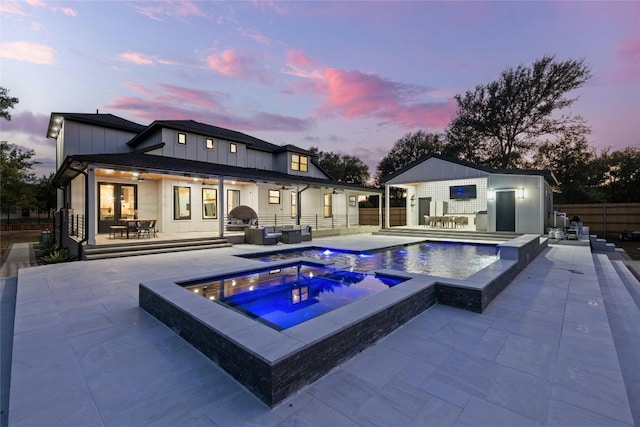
x: 91, y: 220
x: 386, y: 206
x: 346, y: 204
x: 221, y: 205
x: 380, y: 224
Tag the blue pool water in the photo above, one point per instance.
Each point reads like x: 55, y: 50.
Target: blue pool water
x: 443, y: 259
x: 283, y: 297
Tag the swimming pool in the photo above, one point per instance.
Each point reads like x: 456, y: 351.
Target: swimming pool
x: 289, y: 295
x: 443, y: 259
x: 273, y: 364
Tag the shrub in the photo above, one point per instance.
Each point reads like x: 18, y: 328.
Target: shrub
x: 57, y: 256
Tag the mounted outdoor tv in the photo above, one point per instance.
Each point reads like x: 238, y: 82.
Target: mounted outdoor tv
x: 462, y: 192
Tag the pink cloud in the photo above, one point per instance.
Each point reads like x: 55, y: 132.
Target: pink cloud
x: 194, y: 97
x: 136, y: 58
x: 297, y: 59
x: 178, y: 9
x: 628, y: 67
x: 232, y: 63
x: 27, y: 52
x: 203, y: 106
x: 256, y: 36
x: 137, y: 87
x: 354, y: 94
x: 51, y: 7
x: 139, y: 58
x: 11, y: 8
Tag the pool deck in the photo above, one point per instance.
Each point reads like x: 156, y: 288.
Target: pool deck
x: 559, y: 347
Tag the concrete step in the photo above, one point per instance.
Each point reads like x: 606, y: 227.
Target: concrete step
x: 151, y: 247
x: 601, y: 245
x: 154, y: 251
x: 624, y: 317
x: 629, y: 280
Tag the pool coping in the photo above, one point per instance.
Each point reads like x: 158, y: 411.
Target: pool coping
x: 275, y: 364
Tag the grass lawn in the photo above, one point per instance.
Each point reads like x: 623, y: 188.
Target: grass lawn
x: 23, y: 236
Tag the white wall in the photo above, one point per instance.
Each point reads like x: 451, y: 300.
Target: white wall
x: 80, y: 138
x: 530, y: 215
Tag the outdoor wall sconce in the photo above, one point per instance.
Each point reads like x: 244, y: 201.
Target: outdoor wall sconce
x: 520, y: 193
x: 413, y: 200
x: 491, y: 194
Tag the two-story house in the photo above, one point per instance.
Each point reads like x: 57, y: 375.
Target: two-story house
x: 188, y: 176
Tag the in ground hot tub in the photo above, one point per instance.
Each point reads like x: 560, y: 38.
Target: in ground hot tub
x: 273, y: 361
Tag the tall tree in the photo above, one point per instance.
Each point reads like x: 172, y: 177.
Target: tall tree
x: 45, y: 193
x: 6, y: 102
x: 343, y: 168
x: 407, y: 149
x: 499, y: 123
x: 572, y: 161
x: 623, y: 177
x: 17, y: 178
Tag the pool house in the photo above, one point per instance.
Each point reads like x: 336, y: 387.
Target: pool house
x: 443, y: 192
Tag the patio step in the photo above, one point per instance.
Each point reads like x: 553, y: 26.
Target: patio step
x: 601, y: 245
x: 462, y: 235
x: 149, y: 247
x: 620, y: 295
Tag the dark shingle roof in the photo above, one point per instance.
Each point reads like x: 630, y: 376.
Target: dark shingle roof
x: 207, y: 130
x: 151, y: 162
x: 106, y: 120
x: 548, y: 175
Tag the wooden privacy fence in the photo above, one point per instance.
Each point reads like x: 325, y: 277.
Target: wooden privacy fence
x: 369, y: 216
x: 606, y: 220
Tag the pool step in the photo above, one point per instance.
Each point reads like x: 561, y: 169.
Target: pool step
x: 148, y: 247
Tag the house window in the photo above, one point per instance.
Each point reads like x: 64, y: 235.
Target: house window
x: 327, y: 206
x: 208, y: 143
x: 352, y: 201
x: 233, y: 148
x: 181, y: 203
x: 209, y: 203
x: 294, y: 210
x: 274, y: 197
x: 299, y: 163
x: 233, y: 199
x: 182, y: 138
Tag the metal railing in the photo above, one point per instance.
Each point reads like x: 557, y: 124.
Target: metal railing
x: 76, y: 226
x: 318, y: 222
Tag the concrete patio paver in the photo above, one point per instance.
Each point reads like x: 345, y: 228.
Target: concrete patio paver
x: 541, y: 354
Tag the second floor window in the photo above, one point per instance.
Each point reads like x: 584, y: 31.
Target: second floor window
x: 233, y: 148
x: 182, y: 138
x: 299, y: 163
x: 208, y: 143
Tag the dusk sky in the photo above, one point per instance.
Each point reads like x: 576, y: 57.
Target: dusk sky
x: 348, y: 77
